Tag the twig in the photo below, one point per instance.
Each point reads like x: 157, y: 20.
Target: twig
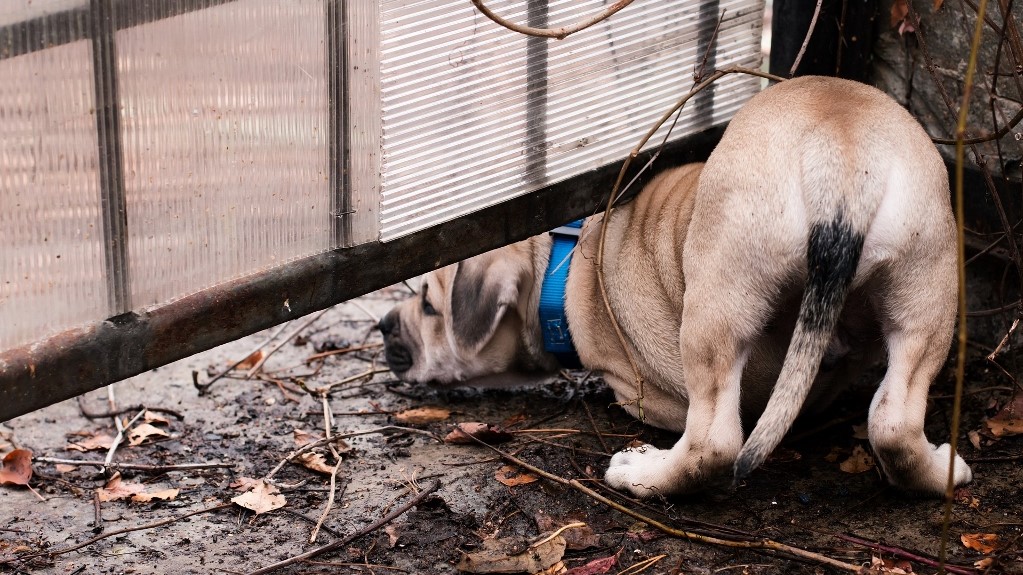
x: 1005, y: 340
x: 761, y: 544
x: 105, y: 414
x: 137, y: 466
x: 905, y: 554
x: 593, y: 424
x: 311, y: 521
x: 349, y: 349
x: 346, y: 540
x: 330, y: 501
x: 97, y: 522
x: 280, y: 344
x: 204, y: 387
x: 88, y: 542
x: 120, y: 435
x: 559, y: 33
x: 986, y: 138
x: 325, y: 441
x: 711, y: 44
x: 995, y: 311
x: 806, y: 40
x: 641, y: 566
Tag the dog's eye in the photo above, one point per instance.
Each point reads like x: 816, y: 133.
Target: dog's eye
x: 428, y: 308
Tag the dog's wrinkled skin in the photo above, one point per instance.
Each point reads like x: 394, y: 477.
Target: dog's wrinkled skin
x: 822, y: 217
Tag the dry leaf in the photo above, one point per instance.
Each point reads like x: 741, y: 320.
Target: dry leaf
x: 860, y: 432
x: 62, y: 468
x: 262, y: 498
x: 937, y: 4
x: 164, y: 495
x: 984, y: 563
x: 962, y: 496
x: 303, y: 438
x: 94, y: 442
x: 153, y: 417
x: 116, y: 489
x: 575, y: 539
x: 17, y: 468
x: 464, y: 432
x: 392, y: 535
x: 511, y: 476
x: 974, y: 437
x: 422, y: 415
x: 899, y: 17
x: 251, y: 361
x: 1009, y: 420
x: 316, y: 462
x: 244, y: 483
x: 595, y: 567
x: 144, y: 431
x: 880, y: 565
x: 983, y: 542
x: 858, y: 462
x: 506, y: 556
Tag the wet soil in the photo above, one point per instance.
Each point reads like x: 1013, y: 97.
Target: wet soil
x: 568, y: 427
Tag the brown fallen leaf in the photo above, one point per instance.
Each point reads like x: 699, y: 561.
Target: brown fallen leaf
x: 17, y: 468
x: 422, y: 415
x: 244, y: 483
x: 116, y: 489
x: 92, y: 442
x: 315, y: 462
x: 505, y: 556
x: 974, y: 437
x: 164, y: 495
x: 860, y: 432
x: 62, y: 468
x: 464, y: 432
x: 262, y: 498
x: 963, y: 496
x: 511, y: 476
x: 144, y: 431
x: 881, y: 565
x: 900, y: 17
x: 392, y: 535
x: 303, y: 437
x: 250, y: 361
x: 1009, y: 420
x: 596, y: 567
x: 858, y: 462
x: 982, y: 542
x: 575, y: 539
x: 152, y: 417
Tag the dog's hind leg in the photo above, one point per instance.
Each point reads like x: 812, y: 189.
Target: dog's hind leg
x: 727, y: 304
x: 917, y: 308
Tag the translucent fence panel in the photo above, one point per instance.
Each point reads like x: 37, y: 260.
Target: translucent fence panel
x: 224, y: 115
x: 474, y: 114
x: 51, y: 238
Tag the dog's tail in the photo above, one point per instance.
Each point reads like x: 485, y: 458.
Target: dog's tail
x: 832, y: 254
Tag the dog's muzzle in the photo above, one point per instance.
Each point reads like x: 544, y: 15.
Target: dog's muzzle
x: 396, y: 353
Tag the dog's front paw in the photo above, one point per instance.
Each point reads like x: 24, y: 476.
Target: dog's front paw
x: 639, y: 470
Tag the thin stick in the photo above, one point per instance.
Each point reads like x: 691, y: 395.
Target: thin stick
x: 762, y: 544
x: 350, y: 349
x: 1005, y: 340
x: 311, y: 521
x: 325, y: 441
x: 641, y: 566
x: 204, y: 387
x: 132, y: 409
x: 345, y: 541
x: 274, y: 349
x: 961, y: 249
x: 806, y: 40
x: 330, y: 501
x: 593, y: 424
x: 905, y: 554
x: 88, y: 542
x: 120, y: 435
x: 97, y: 522
x: 136, y: 466
x: 559, y: 33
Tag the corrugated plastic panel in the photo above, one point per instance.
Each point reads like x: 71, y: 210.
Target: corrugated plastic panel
x: 471, y: 119
x: 225, y: 143
x: 51, y: 241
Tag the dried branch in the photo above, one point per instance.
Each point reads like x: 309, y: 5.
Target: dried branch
x: 757, y: 545
x: 906, y: 554
x: 806, y: 40
x: 986, y: 138
x: 330, y: 501
x: 346, y: 540
x: 559, y: 33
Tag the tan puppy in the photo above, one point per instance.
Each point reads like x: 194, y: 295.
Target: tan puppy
x: 822, y: 217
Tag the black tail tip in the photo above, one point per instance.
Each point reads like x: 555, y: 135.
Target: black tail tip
x: 744, y: 466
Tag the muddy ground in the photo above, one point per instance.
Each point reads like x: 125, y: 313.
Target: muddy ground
x: 801, y: 497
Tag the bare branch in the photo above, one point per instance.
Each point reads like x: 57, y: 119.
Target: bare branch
x: 559, y: 33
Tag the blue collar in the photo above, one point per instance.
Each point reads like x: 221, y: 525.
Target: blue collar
x: 553, y: 323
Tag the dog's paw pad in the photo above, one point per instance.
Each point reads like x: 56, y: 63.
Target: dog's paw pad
x: 636, y: 470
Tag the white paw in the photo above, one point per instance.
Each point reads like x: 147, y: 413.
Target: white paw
x: 641, y: 471
x: 962, y: 475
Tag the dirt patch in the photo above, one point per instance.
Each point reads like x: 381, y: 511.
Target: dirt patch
x: 801, y: 496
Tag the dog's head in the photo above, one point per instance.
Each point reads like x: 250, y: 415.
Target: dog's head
x: 466, y: 322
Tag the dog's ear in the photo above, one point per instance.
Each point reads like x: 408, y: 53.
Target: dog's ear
x: 480, y: 296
